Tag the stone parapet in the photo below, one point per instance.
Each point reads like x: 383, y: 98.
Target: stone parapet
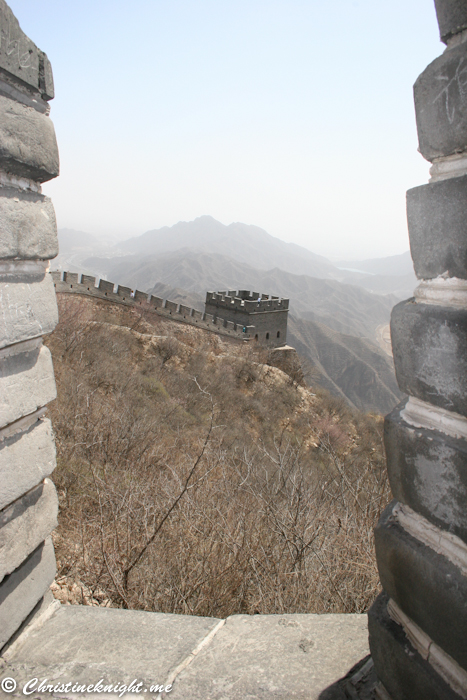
x: 27, y: 456
x: 24, y: 587
x: 452, y: 18
x: 21, y: 62
x: 25, y: 524
x: 28, y: 147
x: 427, y: 470
x: 405, y: 673
x: 28, y: 157
x: 29, y: 308
x: 437, y: 228
x: 441, y: 105
x: 417, y: 637
x: 26, y: 380
x: 430, y: 586
x: 29, y: 228
x: 75, y: 283
x: 429, y: 353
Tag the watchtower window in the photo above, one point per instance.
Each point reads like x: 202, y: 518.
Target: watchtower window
x: 256, y: 337
x: 267, y: 336
x: 278, y: 334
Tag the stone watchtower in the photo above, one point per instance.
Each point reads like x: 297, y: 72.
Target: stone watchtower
x: 267, y: 314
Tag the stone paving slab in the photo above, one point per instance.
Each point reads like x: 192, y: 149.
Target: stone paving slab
x: 85, y: 644
x: 243, y: 657
x: 274, y: 656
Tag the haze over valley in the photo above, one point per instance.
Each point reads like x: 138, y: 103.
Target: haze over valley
x: 337, y: 311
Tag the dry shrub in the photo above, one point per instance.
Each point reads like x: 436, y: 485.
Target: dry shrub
x: 195, y: 479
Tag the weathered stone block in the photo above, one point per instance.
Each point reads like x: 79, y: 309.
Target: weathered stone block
x: 428, y: 471
x: 429, y: 353
x: 25, y: 459
x: 28, y: 147
x: 22, y: 589
x: 452, y: 17
x: 427, y: 586
x: 184, y: 310
x: 71, y: 277
x: 27, y: 224
x: 438, y: 228
x: 156, y: 302
x: 29, y: 307
x: 89, y: 281
x: 402, y: 670
x: 106, y: 287
x: 171, y: 306
x: 124, y: 292
x: 140, y: 296
x: 20, y: 57
x: 26, y: 383
x: 441, y: 105
x: 25, y: 524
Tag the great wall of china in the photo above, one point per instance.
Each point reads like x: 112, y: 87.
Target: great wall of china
x: 232, y: 318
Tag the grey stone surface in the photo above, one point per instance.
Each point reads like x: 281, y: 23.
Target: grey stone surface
x: 86, y: 644
x: 428, y: 471
x: 452, y: 17
x: 28, y: 225
x: 29, y: 308
x: 438, y: 228
x: 269, y: 318
x: 404, y: 673
x: 26, y: 383
x: 20, y: 58
x: 28, y: 147
x: 22, y: 590
x: 428, y: 345
x: 426, y: 586
x: 274, y: 656
x: 25, y: 460
x: 25, y: 524
x: 441, y: 105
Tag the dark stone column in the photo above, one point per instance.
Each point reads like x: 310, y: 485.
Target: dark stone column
x: 418, y: 626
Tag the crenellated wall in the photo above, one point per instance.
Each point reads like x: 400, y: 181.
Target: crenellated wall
x: 267, y: 314
x: 28, y: 239
x: 75, y: 283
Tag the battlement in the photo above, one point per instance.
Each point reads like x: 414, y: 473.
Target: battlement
x: 266, y: 312
x: 246, y: 301
x: 76, y: 283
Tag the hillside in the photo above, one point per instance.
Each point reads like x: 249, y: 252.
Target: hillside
x: 194, y: 477
x: 349, y: 367
x: 343, y: 307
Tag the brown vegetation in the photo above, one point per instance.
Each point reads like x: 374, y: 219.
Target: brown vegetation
x: 195, y: 478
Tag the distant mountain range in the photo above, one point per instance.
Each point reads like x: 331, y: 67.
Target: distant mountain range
x: 344, y: 307
x: 249, y: 245
x: 335, y: 309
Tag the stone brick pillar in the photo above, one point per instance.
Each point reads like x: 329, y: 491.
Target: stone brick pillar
x: 28, y: 238
x: 418, y: 626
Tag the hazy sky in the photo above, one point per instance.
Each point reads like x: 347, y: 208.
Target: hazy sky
x: 294, y: 115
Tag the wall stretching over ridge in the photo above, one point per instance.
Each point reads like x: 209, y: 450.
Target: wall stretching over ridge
x: 75, y: 283
x: 28, y: 239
